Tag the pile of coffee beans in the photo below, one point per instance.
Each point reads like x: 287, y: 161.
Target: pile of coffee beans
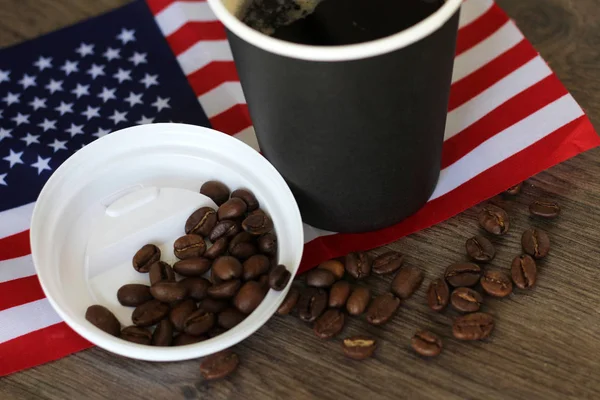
x: 227, y: 263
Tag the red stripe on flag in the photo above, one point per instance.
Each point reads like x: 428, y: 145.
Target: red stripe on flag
x: 233, y: 120
x: 157, y: 6
x: 514, y: 110
x: 194, y: 32
x: 15, y: 246
x: 39, y: 347
x: 213, y: 75
x: 20, y: 291
x: 478, y: 30
x: 480, y: 80
x: 562, y: 144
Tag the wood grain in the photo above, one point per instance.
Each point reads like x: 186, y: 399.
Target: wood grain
x: 546, y: 344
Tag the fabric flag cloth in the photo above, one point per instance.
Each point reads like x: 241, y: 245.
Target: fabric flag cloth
x: 164, y: 60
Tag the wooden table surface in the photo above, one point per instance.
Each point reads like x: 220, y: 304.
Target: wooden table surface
x: 546, y: 344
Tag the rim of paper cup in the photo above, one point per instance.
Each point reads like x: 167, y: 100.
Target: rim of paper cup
x: 358, y: 51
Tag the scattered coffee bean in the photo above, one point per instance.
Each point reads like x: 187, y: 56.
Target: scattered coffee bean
x: 279, y: 277
x: 387, y: 263
x: 406, y: 282
x: 257, y: 223
x: 134, y: 294
x: 217, y: 249
x: 199, y: 322
x: 232, y: 209
x: 183, y: 339
x: 213, y: 305
x: 335, y: 267
x: 544, y: 209
x: 189, y: 246
x: 149, y: 313
x: 248, y: 198
x: 197, y: 288
x: 225, y: 290
x: 255, y: 266
x: 219, y: 365
x: 291, y: 299
x: 463, y: 274
x: 242, y: 246
x: 226, y: 268
x: 249, y: 297
x: 161, y: 271
x: 496, y: 283
x: 339, y: 293
x: 180, y: 312
x: 168, y: 292
x: 201, y: 222
x: 515, y: 190
x: 311, y: 304
x: 438, y: 295
x: 466, y: 300
x: 192, y: 266
x: 382, y: 309
x: 524, y: 271
x: 230, y: 317
x: 217, y: 191
x: 359, y: 347
x: 480, y: 249
x: 536, y: 243
x: 358, y: 301
x: 227, y: 228
x: 358, y: 265
x: 103, y: 319
x: 494, y: 220
x: 427, y: 344
x: 163, y: 334
x: 135, y: 334
x: 474, y: 326
x: 329, y: 324
x: 267, y: 244
x: 319, y: 277
x: 145, y: 257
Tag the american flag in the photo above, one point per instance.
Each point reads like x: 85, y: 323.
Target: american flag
x: 165, y: 60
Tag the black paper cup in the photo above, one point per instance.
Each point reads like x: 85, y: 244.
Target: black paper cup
x: 355, y: 130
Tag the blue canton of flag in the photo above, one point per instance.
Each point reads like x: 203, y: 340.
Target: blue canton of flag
x: 68, y: 88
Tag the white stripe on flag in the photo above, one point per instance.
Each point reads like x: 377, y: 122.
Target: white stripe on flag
x: 494, y: 96
x: 485, y: 51
x: 15, y: 220
x: 21, y: 320
x: 222, y: 98
x: 180, y: 13
x: 473, y: 9
x: 203, y: 53
x: 248, y: 136
x: 16, y: 268
x: 508, y: 142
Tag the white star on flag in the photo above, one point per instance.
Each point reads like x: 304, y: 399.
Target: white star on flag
x: 101, y: 132
x: 2, y: 179
x: 149, y: 80
x: 134, y: 99
x: 145, y: 120
x: 38, y: 103
x: 111, y: 54
x: 107, y: 94
x: 91, y: 112
x: 161, y: 103
x: 81, y: 90
x: 70, y: 66
x: 4, y: 76
x: 123, y: 75
x: 126, y: 35
x: 21, y: 118
x: 75, y: 130
x: 43, y: 62
x: 118, y: 117
x: 11, y: 98
x: 58, y: 145
x: 85, y: 49
x: 64, y: 108
x: 27, y: 81
x: 42, y: 164
x: 96, y: 70
x: 29, y: 139
x: 138, y: 58
x: 47, y: 124
x: 14, y: 158
x: 54, y: 86
x: 5, y: 133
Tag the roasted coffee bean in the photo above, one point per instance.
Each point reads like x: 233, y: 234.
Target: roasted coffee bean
x: 217, y: 249
x: 242, y: 246
x: 494, y: 220
x: 197, y: 288
x: 279, y: 277
x: 463, y: 274
x: 496, y: 283
x: 135, y: 334
x: 232, y: 209
x: 291, y: 299
x: 149, y: 313
x: 145, y: 257
x: 189, y: 246
x: 227, y: 228
x: 359, y: 347
x: 427, y: 344
x: 311, y: 304
x: 248, y: 198
x: 192, y: 266
x: 545, y: 209
x: 161, y: 271
x: 524, y: 271
x: 438, y: 295
x: 329, y: 324
x: 199, y: 322
x: 474, y: 326
x: 257, y: 223
x: 213, y: 305
x: 219, y: 365
x: 180, y: 312
x: 267, y: 244
x: 201, y: 222
x: 466, y: 300
x: 339, y: 293
x: 480, y: 249
x: 382, y: 309
x: 183, y: 339
x: 163, y: 334
x: 387, y: 263
x: 255, y: 266
x: 250, y: 295
x: 230, y: 317
x: 103, y: 319
x: 226, y: 268
x: 319, y: 277
x: 358, y: 265
x: 333, y: 266
x: 406, y: 282
x: 217, y: 191
x: 225, y: 290
x: 536, y: 243
x: 515, y: 190
x: 263, y: 280
x: 168, y: 292
x: 216, y: 331
x: 358, y: 301
x: 133, y: 294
